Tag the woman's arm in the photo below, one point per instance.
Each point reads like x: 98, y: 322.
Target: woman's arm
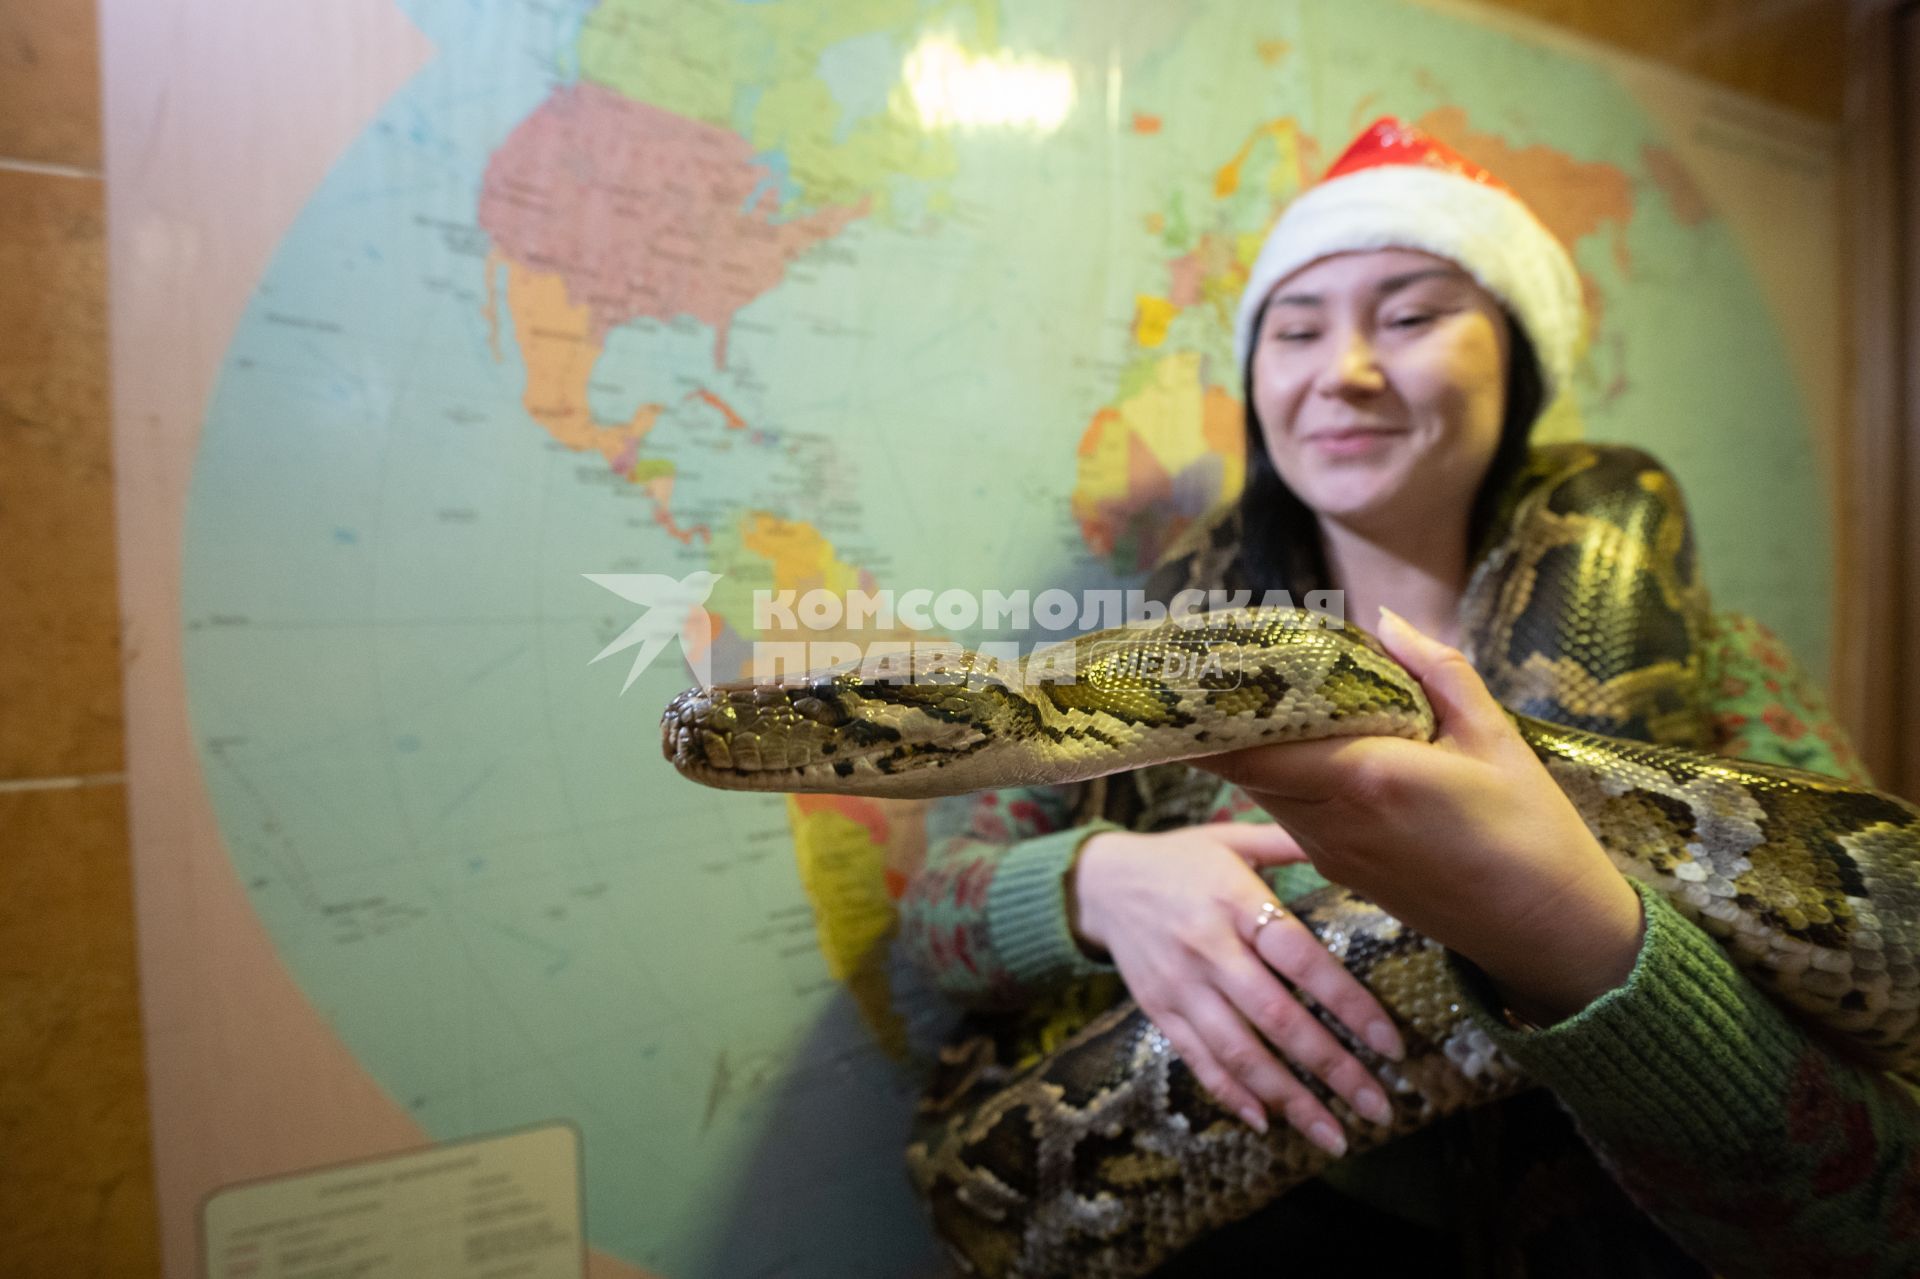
x: 1465, y: 839
x: 1759, y: 1149
x: 986, y: 916
x: 1756, y: 1146
x: 1829, y: 1180
x: 989, y: 918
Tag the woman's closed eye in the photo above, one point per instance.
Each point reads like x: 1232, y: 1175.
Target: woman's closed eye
x: 1408, y: 322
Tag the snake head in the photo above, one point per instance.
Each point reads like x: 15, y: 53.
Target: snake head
x: 883, y: 726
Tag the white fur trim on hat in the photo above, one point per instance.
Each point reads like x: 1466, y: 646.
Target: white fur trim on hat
x: 1483, y: 228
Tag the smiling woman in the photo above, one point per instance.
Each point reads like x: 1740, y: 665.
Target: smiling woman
x: 1403, y: 327
x: 1379, y: 388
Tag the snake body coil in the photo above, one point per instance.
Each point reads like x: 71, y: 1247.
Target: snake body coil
x: 1104, y: 1156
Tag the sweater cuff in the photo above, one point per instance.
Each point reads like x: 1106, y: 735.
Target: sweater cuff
x: 1027, y: 909
x: 1686, y: 1047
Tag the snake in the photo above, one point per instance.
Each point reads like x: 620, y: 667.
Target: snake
x: 1102, y: 1155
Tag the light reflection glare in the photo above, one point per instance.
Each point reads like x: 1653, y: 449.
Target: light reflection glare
x: 951, y: 87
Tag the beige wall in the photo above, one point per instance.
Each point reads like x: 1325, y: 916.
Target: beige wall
x: 1791, y: 52
x: 75, y: 1179
x: 74, y: 1171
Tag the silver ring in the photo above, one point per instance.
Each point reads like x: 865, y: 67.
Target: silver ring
x: 1268, y: 913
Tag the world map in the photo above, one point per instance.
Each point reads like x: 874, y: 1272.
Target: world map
x: 864, y: 295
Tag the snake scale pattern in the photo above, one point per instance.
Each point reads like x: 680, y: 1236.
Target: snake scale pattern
x: 1102, y: 1156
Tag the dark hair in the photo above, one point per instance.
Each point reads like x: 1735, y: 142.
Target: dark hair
x: 1280, y: 547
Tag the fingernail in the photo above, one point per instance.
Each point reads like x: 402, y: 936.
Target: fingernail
x: 1256, y: 1119
x: 1390, y: 620
x: 1328, y: 1138
x: 1372, y: 1103
x: 1383, y: 1039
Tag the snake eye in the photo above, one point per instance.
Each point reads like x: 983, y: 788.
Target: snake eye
x: 820, y: 712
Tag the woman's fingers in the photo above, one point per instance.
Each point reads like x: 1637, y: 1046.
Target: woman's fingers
x: 1195, y: 964
x: 1258, y: 843
x: 1223, y: 1087
x: 1284, y: 1022
x: 1289, y: 948
x: 1466, y: 713
x: 1307, y: 772
x: 1241, y: 1055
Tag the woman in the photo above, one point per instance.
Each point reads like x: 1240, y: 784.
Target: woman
x: 1400, y: 331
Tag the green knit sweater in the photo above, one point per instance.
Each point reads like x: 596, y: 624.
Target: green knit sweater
x: 1755, y: 1148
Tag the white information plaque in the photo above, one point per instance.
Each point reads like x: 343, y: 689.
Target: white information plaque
x: 496, y: 1207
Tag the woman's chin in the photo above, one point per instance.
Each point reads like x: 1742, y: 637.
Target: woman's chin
x: 1352, y: 499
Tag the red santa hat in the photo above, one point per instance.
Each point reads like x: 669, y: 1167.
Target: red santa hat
x: 1398, y: 188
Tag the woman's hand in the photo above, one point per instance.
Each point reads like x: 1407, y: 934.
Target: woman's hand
x: 1179, y: 913
x: 1466, y: 839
